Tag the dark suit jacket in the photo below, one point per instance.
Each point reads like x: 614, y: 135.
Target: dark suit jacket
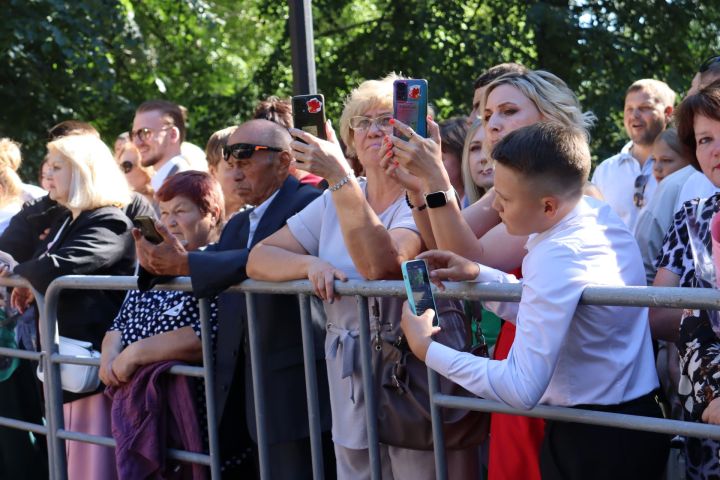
x: 98, y: 242
x: 280, y: 343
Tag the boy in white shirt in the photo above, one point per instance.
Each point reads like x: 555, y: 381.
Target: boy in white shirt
x: 588, y: 356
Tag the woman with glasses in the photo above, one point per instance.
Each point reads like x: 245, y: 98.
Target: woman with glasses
x: 510, y: 102
x: 686, y: 261
x: 137, y: 176
x: 360, y: 228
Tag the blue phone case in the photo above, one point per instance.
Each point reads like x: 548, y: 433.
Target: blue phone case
x: 410, y: 103
x: 418, y: 287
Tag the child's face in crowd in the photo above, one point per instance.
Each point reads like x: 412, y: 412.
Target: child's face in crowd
x: 185, y: 220
x: 482, y: 169
x: 230, y: 175
x: 506, y: 110
x: 667, y: 160
x: 136, y: 178
x: 59, y: 178
x: 707, y: 147
x: 643, y: 117
x: 520, y: 207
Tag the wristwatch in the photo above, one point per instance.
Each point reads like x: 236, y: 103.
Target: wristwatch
x: 439, y: 199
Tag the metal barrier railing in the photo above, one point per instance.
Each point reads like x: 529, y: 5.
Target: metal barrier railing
x: 627, y: 296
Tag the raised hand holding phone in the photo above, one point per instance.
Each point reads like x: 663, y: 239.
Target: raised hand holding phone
x: 418, y: 287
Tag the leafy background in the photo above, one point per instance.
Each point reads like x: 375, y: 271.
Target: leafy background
x: 96, y: 60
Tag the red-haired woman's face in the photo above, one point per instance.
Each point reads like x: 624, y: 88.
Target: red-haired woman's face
x: 186, y: 221
x: 707, y: 147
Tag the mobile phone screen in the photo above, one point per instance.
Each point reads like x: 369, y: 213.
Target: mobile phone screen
x: 417, y: 282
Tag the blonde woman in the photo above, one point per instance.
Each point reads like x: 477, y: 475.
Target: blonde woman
x: 225, y: 172
x: 137, y: 176
x: 93, y: 238
x: 11, y: 157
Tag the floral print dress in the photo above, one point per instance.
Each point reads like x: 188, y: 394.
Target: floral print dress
x: 686, y: 245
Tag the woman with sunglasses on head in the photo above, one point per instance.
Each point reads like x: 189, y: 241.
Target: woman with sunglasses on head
x: 137, y: 176
x: 360, y: 228
x: 510, y: 102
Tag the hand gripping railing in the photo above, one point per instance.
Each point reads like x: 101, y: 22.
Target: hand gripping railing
x: 628, y: 296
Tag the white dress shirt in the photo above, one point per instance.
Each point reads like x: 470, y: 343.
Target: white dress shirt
x: 564, y: 353
x: 615, y: 178
x: 162, y: 173
x: 696, y: 186
x: 256, y: 215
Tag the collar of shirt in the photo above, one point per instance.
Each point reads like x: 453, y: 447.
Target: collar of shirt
x: 257, y: 213
x: 576, y: 212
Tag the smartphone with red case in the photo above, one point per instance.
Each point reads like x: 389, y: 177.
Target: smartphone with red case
x: 309, y: 114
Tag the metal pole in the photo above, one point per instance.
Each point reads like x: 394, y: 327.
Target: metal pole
x: 437, y: 430
x: 258, y: 389
x: 52, y: 388
x: 311, y: 389
x: 301, y: 47
x: 209, y: 376
x: 368, y: 386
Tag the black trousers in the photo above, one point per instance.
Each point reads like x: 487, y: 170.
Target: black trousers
x: 579, y: 451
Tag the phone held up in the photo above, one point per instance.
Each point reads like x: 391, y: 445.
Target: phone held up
x: 309, y: 114
x: 146, y: 225
x: 410, y: 103
x: 418, y: 287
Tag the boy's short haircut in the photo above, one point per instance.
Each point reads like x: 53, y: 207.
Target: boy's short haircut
x: 556, y: 155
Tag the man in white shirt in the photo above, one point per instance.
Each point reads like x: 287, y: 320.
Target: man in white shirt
x: 626, y: 179
x: 158, y: 132
x: 566, y: 354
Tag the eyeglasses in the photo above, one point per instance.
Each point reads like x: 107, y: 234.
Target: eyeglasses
x: 639, y: 196
x: 127, y: 166
x: 144, y: 134
x: 240, y: 151
x: 362, y: 122
x: 708, y: 63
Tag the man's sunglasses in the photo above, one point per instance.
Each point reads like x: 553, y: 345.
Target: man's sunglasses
x: 240, y: 151
x: 144, y: 134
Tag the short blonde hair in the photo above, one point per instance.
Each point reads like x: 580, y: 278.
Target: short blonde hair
x: 96, y: 180
x: 10, y: 153
x: 660, y: 91
x: 215, y: 145
x: 552, y: 97
x: 369, y: 95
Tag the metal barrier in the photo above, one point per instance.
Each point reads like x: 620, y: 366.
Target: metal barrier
x: 627, y: 296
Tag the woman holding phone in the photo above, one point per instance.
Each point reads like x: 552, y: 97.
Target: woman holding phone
x: 360, y: 228
x: 510, y: 102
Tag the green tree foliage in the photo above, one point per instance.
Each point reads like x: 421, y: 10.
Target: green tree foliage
x: 97, y: 60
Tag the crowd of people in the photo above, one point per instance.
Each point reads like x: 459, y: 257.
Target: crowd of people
x: 503, y: 195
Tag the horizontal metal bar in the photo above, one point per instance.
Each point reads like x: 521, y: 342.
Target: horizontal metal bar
x: 22, y: 425
x: 594, y: 295
x: 633, y: 422
x: 187, y: 370
x: 20, y: 353
x: 181, y: 455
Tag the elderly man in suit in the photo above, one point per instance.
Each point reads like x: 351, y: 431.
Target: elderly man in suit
x: 259, y: 151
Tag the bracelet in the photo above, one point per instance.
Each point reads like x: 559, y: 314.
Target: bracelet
x: 411, y: 206
x: 342, y: 181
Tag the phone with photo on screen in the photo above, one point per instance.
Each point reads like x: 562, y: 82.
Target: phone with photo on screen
x: 309, y: 114
x: 410, y: 104
x: 418, y: 287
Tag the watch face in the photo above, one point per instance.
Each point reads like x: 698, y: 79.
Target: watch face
x: 435, y: 199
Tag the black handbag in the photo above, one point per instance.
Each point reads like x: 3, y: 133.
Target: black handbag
x: 402, y: 390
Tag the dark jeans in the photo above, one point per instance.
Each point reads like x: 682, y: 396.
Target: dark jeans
x: 584, y: 452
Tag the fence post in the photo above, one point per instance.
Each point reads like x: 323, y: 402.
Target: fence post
x: 368, y: 386
x: 437, y: 430
x: 209, y: 377
x: 52, y: 386
x: 311, y: 388
x: 258, y: 389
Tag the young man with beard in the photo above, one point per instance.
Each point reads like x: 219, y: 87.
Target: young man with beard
x: 158, y: 132
x: 626, y: 180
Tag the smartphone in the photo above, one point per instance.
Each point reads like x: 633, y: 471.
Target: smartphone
x: 410, y: 103
x: 419, y: 291
x: 309, y: 114
x: 147, y: 228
